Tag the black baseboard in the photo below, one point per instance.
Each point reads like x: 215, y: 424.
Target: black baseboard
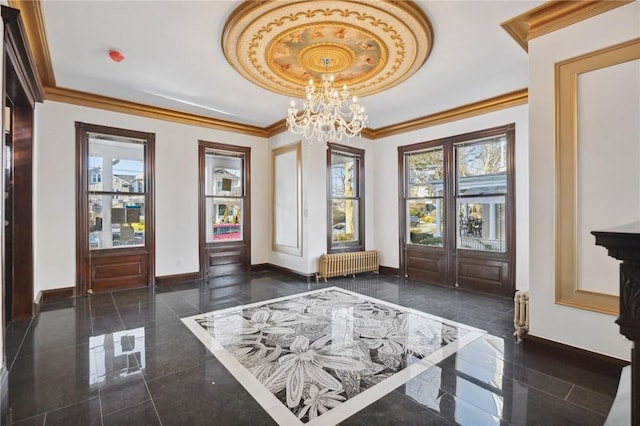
x: 178, y: 278
x: 53, y: 295
x: 308, y: 278
x: 389, y: 271
x: 583, y: 358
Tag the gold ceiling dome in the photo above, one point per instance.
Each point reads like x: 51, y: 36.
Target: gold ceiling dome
x: 371, y: 45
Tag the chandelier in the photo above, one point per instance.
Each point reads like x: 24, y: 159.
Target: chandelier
x: 328, y: 114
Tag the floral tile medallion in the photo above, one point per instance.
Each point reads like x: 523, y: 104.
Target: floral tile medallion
x: 321, y: 356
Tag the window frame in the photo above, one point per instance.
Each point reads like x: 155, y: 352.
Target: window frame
x: 359, y: 244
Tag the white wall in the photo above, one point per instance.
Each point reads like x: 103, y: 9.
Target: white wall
x: 385, y: 182
x: 576, y: 327
x: 176, y: 190
x: 314, y: 202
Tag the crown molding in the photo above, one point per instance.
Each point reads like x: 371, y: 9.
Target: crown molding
x: 554, y: 15
x: 507, y: 100
x: 33, y: 19
x: 59, y: 94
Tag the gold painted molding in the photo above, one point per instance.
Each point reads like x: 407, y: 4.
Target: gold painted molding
x: 33, y: 19
x: 566, y: 174
x: 75, y: 97
x: 554, y: 15
x: 507, y: 100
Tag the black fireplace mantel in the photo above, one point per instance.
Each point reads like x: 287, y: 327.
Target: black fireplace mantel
x: 623, y: 243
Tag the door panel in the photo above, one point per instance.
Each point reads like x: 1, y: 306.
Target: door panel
x: 119, y: 272
x: 427, y: 266
x: 471, y: 243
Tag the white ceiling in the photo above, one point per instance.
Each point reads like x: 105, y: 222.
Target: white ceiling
x: 174, y: 59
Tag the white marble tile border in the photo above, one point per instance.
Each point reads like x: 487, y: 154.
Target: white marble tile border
x: 279, y: 411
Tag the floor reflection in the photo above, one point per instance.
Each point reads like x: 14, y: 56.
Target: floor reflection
x: 320, y: 352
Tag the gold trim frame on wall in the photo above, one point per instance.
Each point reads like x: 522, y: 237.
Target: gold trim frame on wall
x: 286, y: 190
x: 568, y: 291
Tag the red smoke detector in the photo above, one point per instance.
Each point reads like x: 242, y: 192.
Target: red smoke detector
x: 116, y: 55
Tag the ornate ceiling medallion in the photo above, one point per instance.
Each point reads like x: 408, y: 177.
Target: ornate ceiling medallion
x: 280, y: 45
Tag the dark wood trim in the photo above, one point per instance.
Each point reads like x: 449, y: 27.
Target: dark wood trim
x: 22, y: 87
x: 177, y: 278
x: 18, y: 53
x: 83, y: 272
x: 57, y: 294
x: 203, y: 146
x: 582, y: 358
x: 346, y: 247
x: 389, y: 271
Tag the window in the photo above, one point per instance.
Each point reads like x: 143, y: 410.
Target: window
x: 345, y: 184
x: 224, y: 195
x: 116, y: 197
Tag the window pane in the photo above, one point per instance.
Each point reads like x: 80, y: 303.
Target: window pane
x: 116, y: 166
x: 223, y: 219
x: 116, y: 221
x: 425, y: 173
x: 481, y: 224
x: 482, y: 167
x: 344, y: 175
x: 425, y: 222
x: 345, y: 215
x: 223, y: 175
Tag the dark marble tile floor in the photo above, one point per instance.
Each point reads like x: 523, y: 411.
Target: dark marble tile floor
x: 125, y: 358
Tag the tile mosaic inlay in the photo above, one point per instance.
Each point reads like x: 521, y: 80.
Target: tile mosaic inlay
x: 319, y: 357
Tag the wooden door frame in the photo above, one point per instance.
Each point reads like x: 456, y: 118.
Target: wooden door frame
x: 22, y: 85
x: 203, y: 146
x: 83, y: 270
x: 450, y: 201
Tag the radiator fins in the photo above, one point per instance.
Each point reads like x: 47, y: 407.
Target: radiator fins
x: 342, y: 264
x: 521, y: 313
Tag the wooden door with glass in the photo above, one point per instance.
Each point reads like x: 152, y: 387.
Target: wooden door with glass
x: 225, y: 231
x: 457, y: 211
x: 115, y: 227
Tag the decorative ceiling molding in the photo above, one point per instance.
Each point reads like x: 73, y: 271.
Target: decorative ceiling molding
x: 33, y: 19
x: 372, y: 46
x: 75, y: 97
x: 554, y: 15
x: 507, y: 100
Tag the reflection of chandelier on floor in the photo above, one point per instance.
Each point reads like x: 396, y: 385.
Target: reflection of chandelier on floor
x: 327, y: 115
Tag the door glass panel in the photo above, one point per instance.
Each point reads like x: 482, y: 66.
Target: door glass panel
x: 425, y: 189
x: 482, y: 167
x: 115, y: 166
x: 481, y: 224
x: 425, y: 174
x: 425, y: 222
x: 345, y: 216
x: 223, y: 219
x: 481, y: 189
x: 116, y: 192
x: 115, y: 221
x: 224, y: 197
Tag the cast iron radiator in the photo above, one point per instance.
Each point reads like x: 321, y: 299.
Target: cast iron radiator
x: 521, y: 313
x: 341, y: 264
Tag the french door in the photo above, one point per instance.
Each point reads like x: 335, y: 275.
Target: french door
x: 457, y: 224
